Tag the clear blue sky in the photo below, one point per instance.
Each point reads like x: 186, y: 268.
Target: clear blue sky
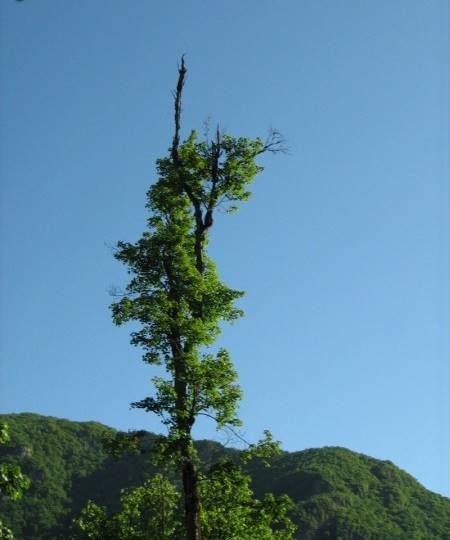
x: 342, y: 249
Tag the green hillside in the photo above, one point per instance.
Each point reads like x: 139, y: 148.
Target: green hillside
x: 339, y: 494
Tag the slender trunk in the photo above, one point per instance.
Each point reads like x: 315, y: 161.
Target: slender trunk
x: 189, y: 469
x: 202, y: 223
x: 188, y: 465
x: 191, y: 500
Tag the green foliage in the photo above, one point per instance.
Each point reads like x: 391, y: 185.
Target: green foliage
x: 93, y: 524
x: 264, y: 449
x: 180, y: 304
x: 55, y: 454
x: 5, y: 532
x: 12, y: 482
x: 342, y: 494
x: 120, y: 443
x: 149, y: 512
x: 230, y: 511
x: 4, y: 434
x: 152, y: 511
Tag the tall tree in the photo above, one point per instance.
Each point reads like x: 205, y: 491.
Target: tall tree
x: 175, y: 292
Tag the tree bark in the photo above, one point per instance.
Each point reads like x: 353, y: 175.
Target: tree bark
x: 191, y: 500
x: 188, y: 467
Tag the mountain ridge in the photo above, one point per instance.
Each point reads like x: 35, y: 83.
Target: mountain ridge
x: 338, y: 493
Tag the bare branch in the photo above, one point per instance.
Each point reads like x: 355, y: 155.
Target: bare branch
x: 206, y: 125
x: 275, y: 143
x: 226, y: 427
x: 177, y: 96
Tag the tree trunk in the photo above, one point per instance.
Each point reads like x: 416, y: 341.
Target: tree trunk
x: 188, y: 466
x: 191, y: 501
x: 189, y: 470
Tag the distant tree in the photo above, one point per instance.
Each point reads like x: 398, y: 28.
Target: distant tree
x: 231, y: 512
x: 149, y: 512
x: 12, y: 482
x: 177, y: 296
x: 94, y: 524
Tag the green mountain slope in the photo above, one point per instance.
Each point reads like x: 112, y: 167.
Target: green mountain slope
x: 339, y: 494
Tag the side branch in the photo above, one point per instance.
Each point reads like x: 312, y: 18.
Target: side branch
x: 226, y: 427
x: 216, y: 152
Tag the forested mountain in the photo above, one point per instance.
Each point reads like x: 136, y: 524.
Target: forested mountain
x: 338, y: 494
